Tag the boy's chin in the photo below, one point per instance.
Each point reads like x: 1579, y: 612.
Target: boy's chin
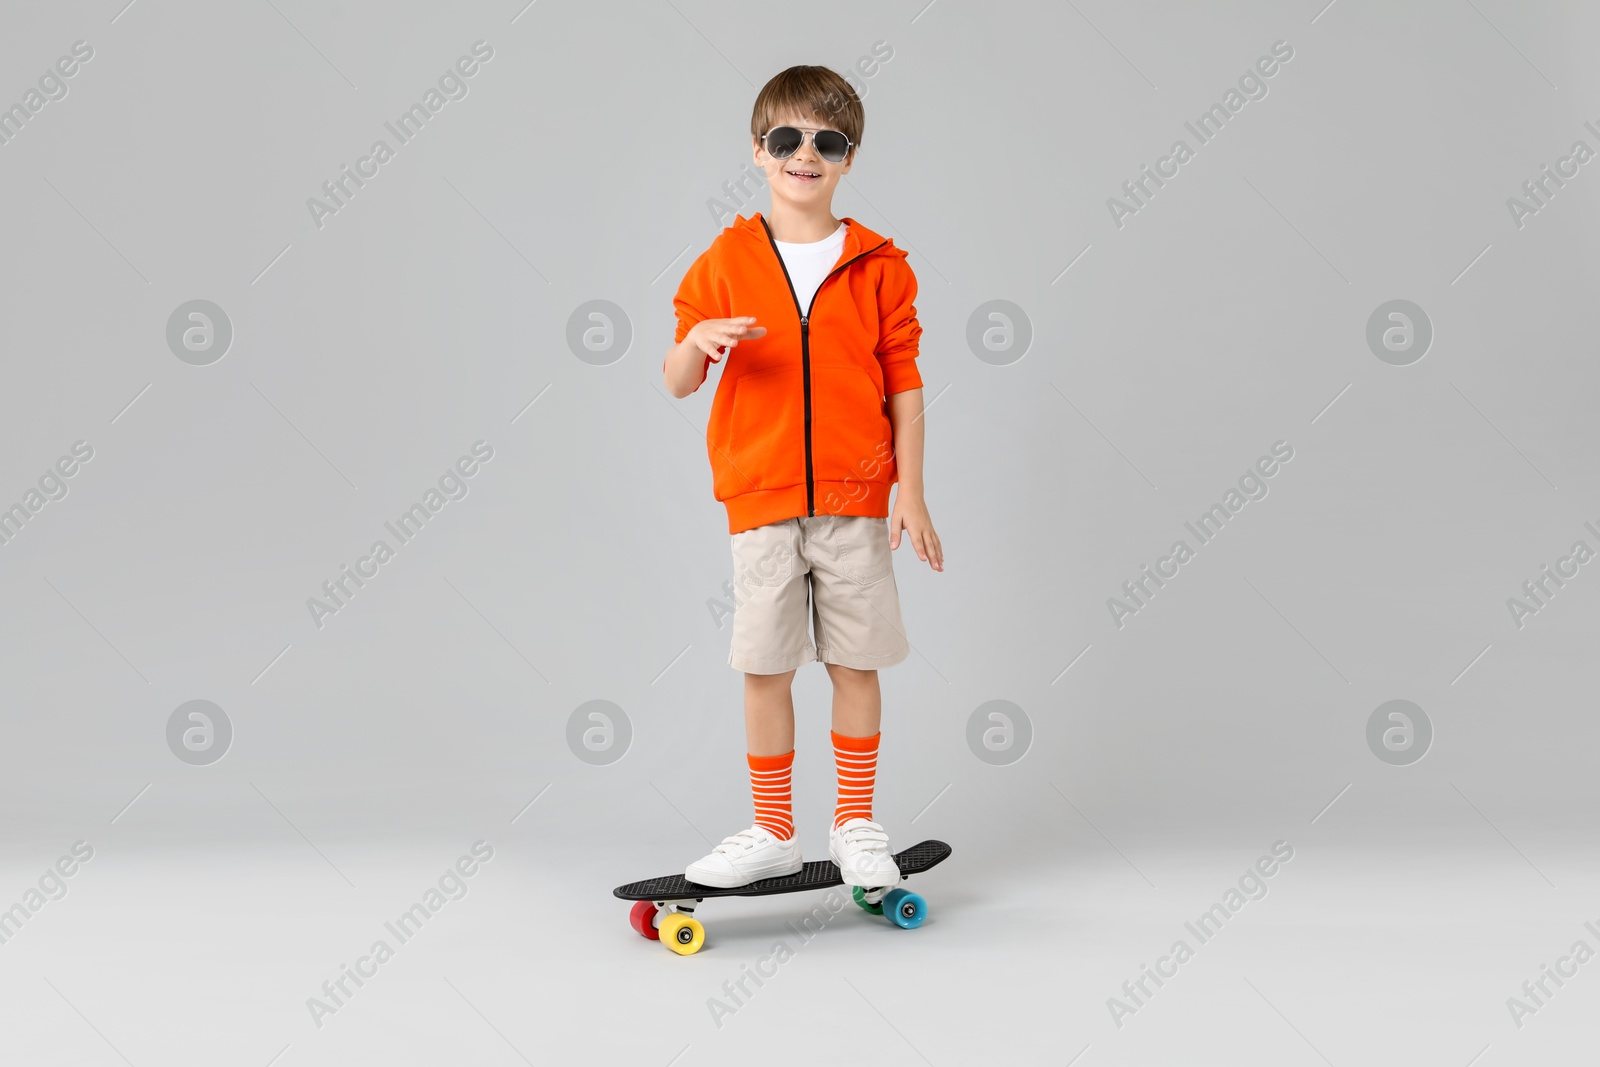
x: 803, y: 197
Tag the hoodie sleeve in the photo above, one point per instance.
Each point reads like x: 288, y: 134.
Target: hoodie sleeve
x: 899, y: 332
x: 697, y: 296
x: 696, y: 299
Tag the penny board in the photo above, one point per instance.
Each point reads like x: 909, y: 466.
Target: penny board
x: 817, y: 874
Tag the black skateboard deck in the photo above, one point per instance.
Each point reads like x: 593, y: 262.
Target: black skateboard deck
x: 664, y: 907
x: 818, y: 874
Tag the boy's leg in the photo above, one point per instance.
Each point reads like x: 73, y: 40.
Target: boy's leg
x: 769, y: 713
x: 769, y: 740
x: 857, y: 700
x: 769, y: 848
x: 857, y: 711
x: 769, y: 642
x: 856, y: 611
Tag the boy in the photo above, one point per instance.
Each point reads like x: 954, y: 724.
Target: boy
x: 817, y: 414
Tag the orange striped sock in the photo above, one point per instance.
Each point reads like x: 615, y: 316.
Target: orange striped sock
x: 857, y: 759
x: 769, y: 785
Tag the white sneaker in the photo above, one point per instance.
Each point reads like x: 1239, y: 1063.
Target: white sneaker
x: 748, y: 856
x: 860, y: 849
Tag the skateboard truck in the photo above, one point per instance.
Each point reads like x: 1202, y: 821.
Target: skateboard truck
x: 667, y: 907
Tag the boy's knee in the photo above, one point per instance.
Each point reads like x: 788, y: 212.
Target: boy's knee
x: 843, y: 675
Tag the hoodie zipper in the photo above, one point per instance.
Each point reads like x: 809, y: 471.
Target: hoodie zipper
x: 805, y: 346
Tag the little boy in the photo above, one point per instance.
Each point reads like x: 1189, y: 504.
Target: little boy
x: 817, y: 414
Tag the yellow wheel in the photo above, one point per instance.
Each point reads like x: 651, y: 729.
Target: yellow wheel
x: 682, y: 933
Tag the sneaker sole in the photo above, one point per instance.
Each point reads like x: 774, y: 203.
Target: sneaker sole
x: 720, y: 880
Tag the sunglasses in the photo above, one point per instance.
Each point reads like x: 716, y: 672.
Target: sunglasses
x: 784, y: 141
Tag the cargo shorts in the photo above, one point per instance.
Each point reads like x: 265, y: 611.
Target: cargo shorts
x: 841, y: 568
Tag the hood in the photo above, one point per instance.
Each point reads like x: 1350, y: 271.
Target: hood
x: 857, y: 238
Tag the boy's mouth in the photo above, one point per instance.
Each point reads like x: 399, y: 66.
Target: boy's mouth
x: 804, y: 176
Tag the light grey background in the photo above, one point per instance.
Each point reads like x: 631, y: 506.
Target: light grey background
x: 584, y: 563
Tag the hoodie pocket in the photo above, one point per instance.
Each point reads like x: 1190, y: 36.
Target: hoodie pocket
x: 851, y: 435
x: 763, y: 443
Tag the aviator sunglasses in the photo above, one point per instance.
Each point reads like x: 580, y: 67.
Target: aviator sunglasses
x: 784, y: 141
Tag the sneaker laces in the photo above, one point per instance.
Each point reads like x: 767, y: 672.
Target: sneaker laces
x: 738, y: 843
x: 866, y: 837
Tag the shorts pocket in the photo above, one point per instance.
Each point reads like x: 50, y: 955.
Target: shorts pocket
x: 865, y: 555
x: 763, y: 556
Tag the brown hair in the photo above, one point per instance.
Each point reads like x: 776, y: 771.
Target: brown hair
x: 814, y: 91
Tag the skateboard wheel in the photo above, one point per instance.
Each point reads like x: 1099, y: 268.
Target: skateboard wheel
x: 860, y: 897
x: 642, y: 919
x: 682, y: 933
x: 904, y: 908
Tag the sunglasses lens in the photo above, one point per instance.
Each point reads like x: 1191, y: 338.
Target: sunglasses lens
x: 783, y: 141
x: 831, y: 145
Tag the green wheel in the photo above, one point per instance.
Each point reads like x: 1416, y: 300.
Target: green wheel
x: 861, y: 898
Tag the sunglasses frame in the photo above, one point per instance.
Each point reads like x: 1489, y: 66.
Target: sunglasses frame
x: 805, y: 133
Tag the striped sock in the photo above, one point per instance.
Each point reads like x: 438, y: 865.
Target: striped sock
x: 857, y: 759
x: 769, y: 785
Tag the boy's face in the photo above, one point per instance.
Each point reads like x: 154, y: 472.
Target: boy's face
x: 806, y: 193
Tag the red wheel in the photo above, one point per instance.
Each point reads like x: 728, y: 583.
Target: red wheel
x: 641, y: 919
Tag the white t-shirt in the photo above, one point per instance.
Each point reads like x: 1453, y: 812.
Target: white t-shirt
x: 811, y: 262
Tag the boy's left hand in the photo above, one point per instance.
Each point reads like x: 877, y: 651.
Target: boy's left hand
x: 911, y: 513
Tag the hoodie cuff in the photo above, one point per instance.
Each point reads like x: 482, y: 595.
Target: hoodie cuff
x: 901, y: 374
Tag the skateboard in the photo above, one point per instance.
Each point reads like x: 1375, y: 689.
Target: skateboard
x: 664, y: 908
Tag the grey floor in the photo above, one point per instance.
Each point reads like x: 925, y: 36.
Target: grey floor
x: 1400, y: 951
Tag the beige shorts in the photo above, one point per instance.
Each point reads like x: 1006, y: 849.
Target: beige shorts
x: 842, y: 566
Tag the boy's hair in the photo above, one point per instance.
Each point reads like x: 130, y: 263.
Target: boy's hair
x: 814, y: 91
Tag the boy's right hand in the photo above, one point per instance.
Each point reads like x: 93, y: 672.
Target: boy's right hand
x: 711, y: 336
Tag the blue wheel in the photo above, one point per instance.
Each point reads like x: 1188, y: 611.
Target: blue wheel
x: 904, y: 908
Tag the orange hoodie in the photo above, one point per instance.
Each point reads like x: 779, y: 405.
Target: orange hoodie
x: 800, y: 424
